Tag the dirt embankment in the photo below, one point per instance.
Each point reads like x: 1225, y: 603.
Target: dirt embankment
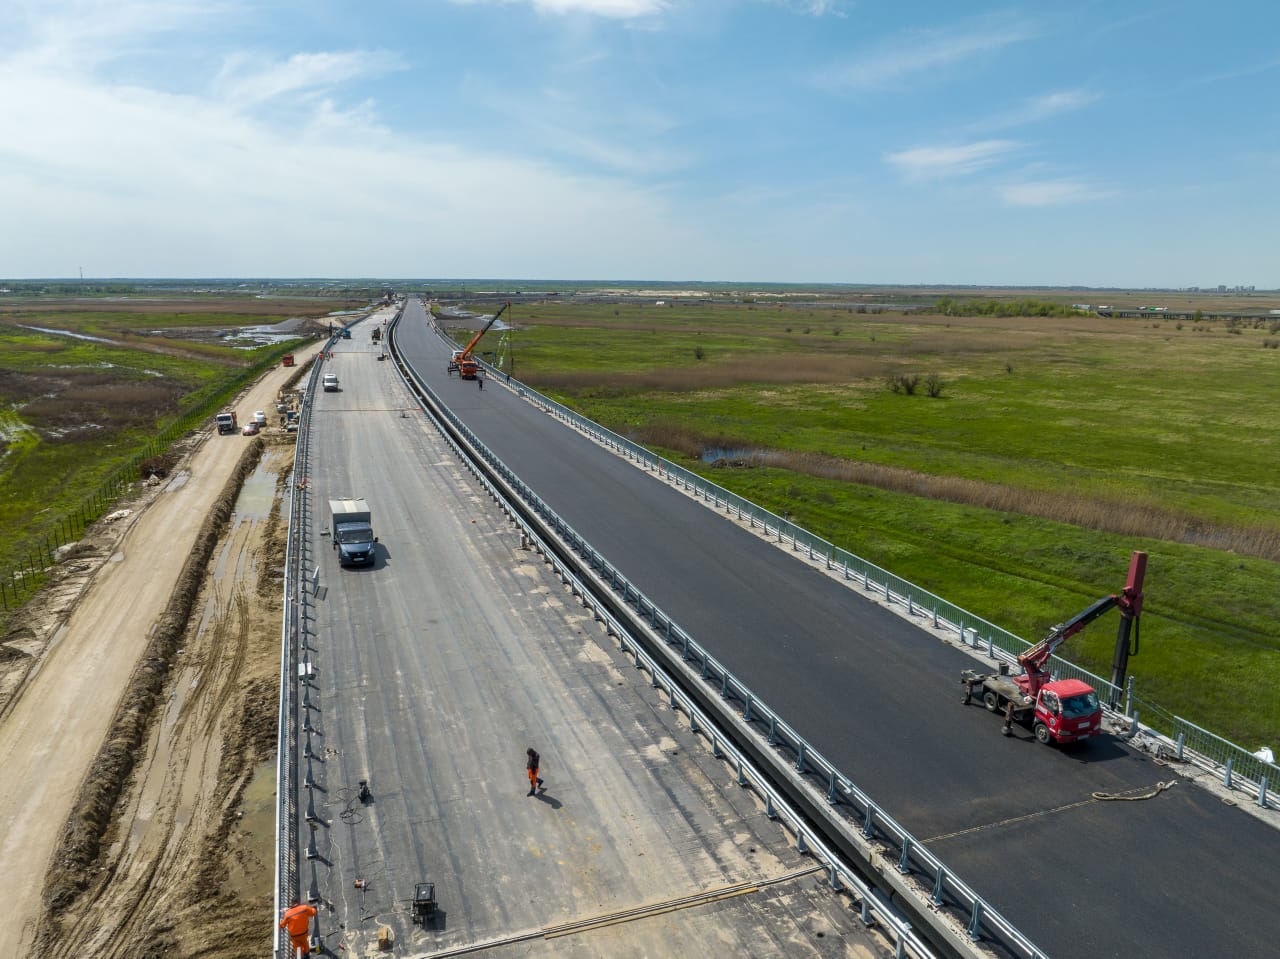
x: 165, y: 853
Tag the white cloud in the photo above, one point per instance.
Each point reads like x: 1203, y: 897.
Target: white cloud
x: 244, y: 79
x: 1049, y: 193
x: 814, y: 8
x: 936, y: 162
x: 614, y: 9
x: 920, y: 51
x: 1043, y: 107
x: 128, y: 181
x: 79, y: 34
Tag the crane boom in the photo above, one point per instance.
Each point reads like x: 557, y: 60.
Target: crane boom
x: 466, y: 350
x: 1129, y: 601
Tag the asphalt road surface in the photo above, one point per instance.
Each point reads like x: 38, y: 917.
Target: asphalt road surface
x: 438, y: 667
x: 1182, y: 874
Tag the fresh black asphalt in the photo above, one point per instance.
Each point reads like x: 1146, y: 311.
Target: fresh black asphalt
x: 1182, y: 874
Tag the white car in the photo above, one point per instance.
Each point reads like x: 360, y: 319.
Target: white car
x: 260, y: 417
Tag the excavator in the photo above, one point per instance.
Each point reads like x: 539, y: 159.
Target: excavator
x: 467, y: 366
x: 1065, y: 710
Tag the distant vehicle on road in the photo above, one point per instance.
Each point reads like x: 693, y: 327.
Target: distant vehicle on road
x: 260, y: 417
x: 330, y: 382
x: 250, y: 429
x: 226, y: 421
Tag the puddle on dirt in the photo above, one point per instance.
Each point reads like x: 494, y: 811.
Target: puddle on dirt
x: 254, y: 504
x: 258, y: 493
x: 247, y: 873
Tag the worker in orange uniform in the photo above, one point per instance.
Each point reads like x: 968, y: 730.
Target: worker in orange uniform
x: 531, y: 766
x: 297, y: 919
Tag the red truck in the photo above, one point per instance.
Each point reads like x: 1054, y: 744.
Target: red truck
x: 1064, y: 710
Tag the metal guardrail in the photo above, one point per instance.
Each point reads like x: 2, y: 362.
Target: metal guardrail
x: 1238, y: 767
x: 914, y: 860
x: 293, y: 645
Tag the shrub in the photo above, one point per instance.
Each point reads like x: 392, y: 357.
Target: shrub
x: 933, y: 385
x: 904, y: 383
x: 159, y: 466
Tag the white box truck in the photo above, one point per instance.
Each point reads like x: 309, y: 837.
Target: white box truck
x: 352, y: 531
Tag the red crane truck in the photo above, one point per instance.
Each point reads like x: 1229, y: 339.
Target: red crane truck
x: 1064, y: 710
x: 467, y: 366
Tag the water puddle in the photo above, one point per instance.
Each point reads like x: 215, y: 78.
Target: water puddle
x: 74, y: 336
x: 258, y: 494
x: 733, y: 457
x: 248, y: 873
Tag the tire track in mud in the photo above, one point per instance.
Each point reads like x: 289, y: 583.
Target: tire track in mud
x: 156, y: 890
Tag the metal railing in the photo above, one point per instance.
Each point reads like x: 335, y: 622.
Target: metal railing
x: 1238, y: 767
x: 294, y: 644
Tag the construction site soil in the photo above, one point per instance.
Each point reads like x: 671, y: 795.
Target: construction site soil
x: 165, y: 847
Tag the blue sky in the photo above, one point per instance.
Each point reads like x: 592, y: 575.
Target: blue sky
x: 1092, y: 143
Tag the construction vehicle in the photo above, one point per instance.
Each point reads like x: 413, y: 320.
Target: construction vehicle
x: 377, y: 334
x: 226, y: 421
x: 466, y: 364
x: 1064, y: 710
x: 286, y: 360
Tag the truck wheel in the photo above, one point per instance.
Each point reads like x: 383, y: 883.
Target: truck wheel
x: 991, y: 701
x: 1043, y: 735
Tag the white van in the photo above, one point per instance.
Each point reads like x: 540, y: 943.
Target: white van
x: 330, y: 382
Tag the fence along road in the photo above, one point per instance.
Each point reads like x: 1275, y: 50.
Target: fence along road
x: 435, y: 669
x: 1179, y: 874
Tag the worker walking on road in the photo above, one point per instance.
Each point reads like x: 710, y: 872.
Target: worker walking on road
x: 532, y: 767
x: 297, y: 919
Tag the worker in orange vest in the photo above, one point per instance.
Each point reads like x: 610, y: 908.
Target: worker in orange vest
x: 297, y: 919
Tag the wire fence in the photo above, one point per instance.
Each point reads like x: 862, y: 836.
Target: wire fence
x: 39, y: 553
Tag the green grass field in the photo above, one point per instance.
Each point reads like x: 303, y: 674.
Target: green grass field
x: 74, y: 412
x: 1056, y: 446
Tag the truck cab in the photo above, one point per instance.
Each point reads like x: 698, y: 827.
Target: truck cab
x: 1061, y: 711
x: 226, y: 421
x: 1066, y: 712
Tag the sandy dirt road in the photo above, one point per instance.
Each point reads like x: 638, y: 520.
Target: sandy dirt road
x: 55, y: 725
